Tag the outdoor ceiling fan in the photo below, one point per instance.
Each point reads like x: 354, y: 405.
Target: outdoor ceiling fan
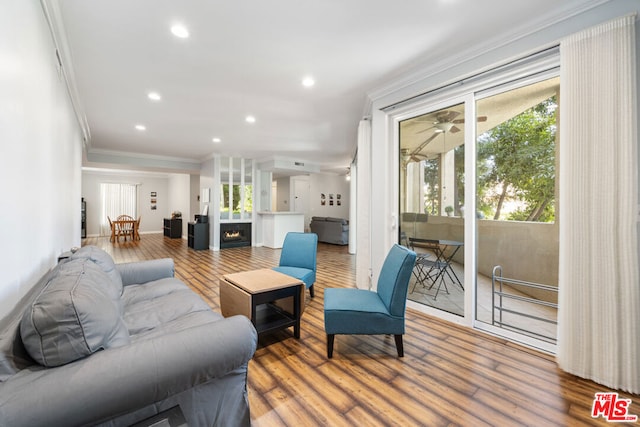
x: 445, y: 121
x: 415, y: 155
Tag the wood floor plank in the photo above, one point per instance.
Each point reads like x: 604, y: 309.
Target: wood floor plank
x: 450, y: 375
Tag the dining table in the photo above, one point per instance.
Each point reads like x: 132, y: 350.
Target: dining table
x: 124, y: 224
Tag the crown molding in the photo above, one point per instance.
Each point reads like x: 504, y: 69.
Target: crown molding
x: 117, y: 159
x: 425, y: 68
x: 51, y: 10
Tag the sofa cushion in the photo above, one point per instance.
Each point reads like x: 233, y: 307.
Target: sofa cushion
x: 156, y: 304
x: 103, y: 260
x: 73, y: 316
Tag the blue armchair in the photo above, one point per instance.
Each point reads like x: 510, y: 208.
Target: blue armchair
x: 352, y: 311
x: 298, y: 258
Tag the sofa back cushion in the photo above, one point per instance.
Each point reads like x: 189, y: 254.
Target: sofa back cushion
x: 340, y: 220
x: 73, y: 316
x: 103, y: 260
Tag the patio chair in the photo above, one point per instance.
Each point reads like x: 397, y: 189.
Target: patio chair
x: 352, y: 311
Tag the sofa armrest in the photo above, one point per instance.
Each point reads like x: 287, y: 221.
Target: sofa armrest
x: 120, y: 380
x: 145, y: 271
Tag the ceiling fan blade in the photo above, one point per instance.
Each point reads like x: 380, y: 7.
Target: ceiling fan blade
x: 454, y: 129
x: 447, y: 116
x: 480, y: 119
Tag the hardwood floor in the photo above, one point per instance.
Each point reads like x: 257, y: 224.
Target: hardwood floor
x: 450, y: 375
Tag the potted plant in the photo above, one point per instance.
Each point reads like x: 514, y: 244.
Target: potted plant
x: 449, y: 210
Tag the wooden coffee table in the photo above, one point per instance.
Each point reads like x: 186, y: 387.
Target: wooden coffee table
x: 271, y: 300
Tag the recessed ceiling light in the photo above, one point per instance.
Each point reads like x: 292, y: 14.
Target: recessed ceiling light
x: 308, y: 81
x: 154, y: 96
x: 141, y: 127
x: 250, y: 119
x: 216, y: 140
x: 180, y: 30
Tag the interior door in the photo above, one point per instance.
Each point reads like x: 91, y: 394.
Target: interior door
x: 301, y: 198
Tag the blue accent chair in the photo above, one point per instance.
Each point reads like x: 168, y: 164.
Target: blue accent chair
x: 298, y: 258
x: 352, y: 311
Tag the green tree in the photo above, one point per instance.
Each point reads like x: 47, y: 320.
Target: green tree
x: 518, y: 157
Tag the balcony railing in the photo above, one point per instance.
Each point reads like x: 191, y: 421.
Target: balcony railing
x: 506, y: 289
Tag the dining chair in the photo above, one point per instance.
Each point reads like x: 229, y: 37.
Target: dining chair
x: 350, y: 311
x: 112, y: 230
x: 137, y: 228
x: 298, y: 258
x: 125, y: 228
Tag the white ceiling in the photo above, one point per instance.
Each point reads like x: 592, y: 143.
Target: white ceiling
x: 249, y: 57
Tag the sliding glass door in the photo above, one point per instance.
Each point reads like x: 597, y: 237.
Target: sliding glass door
x: 485, y: 233
x: 432, y: 187
x: 516, y: 193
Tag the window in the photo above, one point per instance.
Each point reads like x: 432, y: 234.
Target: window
x: 117, y: 199
x: 236, y: 189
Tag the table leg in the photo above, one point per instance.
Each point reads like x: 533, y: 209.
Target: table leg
x: 296, y: 313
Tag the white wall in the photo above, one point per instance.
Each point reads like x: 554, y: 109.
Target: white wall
x: 179, y: 198
x: 210, y: 180
x: 194, y: 195
x: 150, y: 221
x: 282, y: 194
x: 319, y: 183
x: 40, y: 153
x: 329, y: 184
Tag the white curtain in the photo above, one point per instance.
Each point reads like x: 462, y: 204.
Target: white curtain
x: 117, y: 199
x: 363, y: 194
x: 599, y: 289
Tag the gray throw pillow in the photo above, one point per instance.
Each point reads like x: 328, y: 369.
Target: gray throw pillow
x: 104, y: 261
x: 72, y: 317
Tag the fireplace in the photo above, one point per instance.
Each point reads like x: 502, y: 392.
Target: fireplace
x: 233, y: 235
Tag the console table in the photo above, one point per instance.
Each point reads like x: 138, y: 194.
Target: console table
x: 173, y: 228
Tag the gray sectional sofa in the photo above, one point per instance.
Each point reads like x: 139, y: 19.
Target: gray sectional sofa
x: 98, y: 343
x: 330, y: 230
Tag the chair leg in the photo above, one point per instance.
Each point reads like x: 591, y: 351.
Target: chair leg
x: 399, y: 345
x: 330, y: 338
x: 312, y: 291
